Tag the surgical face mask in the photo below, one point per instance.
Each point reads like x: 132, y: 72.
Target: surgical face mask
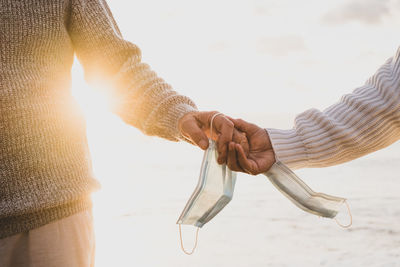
x: 290, y: 185
x: 213, y: 192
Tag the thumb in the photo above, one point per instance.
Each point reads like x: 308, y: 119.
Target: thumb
x: 192, y: 130
x: 240, y: 124
x: 244, y: 126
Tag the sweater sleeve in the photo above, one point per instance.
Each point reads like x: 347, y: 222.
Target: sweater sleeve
x: 140, y: 97
x: 362, y: 122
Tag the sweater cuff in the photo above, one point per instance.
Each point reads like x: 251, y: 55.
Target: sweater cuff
x: 174, y: 115
x: 288, y: 148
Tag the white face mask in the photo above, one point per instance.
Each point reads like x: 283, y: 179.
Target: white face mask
x: 290, y: 185
x: 217, y: 182
x: 212, y: 193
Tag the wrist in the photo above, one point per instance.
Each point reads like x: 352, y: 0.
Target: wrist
x: 288, y: 147
x: 185, y: 116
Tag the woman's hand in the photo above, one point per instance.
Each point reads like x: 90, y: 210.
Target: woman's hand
x: 260, y: 157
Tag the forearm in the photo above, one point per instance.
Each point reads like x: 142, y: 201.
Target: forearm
x: 144, y: 100
x: 140, y: 97
x: 360, y: 123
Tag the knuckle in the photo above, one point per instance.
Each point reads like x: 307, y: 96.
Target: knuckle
x: 240, y: 120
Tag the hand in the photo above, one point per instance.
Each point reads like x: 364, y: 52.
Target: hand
x: 195, y: 126
x: 260, y: 157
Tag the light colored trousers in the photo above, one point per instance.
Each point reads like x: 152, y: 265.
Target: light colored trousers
x: 68, y: 242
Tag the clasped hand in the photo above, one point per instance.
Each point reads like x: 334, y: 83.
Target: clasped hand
x: 243, y: 146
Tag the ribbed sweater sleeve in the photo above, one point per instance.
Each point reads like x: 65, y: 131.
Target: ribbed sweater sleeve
x: 362, y: 122
x: 141, y: 98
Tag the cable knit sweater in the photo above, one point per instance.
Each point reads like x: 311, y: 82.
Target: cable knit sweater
x: 45, y: 171
x: 362, y: 122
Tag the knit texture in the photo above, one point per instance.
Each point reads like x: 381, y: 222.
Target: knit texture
x: 45, y: 169
x: 362, y: 122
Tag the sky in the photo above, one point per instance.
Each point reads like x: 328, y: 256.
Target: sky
x: 262, y: 57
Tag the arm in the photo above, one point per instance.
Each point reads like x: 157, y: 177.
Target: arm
x: 362, y: 122
x: 140, y: 97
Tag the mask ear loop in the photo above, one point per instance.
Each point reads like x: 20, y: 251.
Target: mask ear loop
x: 351, y: 217
x: 212, y: 120
x: 197, y: 231
x: 195, y: 242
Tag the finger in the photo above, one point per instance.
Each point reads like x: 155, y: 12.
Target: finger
x: 244, y: 162
x: 232, y: 159
x: 225, y: 128
x: 192, y: 130
x: 243, y: 125
x: 241, y: 139
x: 240, y: 124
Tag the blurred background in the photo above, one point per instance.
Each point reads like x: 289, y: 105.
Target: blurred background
x: 264, y: 61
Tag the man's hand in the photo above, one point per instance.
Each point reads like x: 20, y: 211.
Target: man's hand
x: 260, y: 157
x: 195, y: 126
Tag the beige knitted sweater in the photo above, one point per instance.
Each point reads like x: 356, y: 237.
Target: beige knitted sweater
x: 45, y: 171
x: 360, y: 123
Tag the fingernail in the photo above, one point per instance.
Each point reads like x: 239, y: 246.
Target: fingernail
x: 203, y: 144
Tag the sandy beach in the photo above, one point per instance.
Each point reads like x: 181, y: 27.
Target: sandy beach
x: 137, y: 208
